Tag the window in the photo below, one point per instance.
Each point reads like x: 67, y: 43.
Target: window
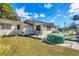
x: 48, y: 28
x: 38, y: 27
x: 18, y: 27
x: 5, y: 26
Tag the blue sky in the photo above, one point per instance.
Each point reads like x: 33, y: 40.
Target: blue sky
x: 56, y: 13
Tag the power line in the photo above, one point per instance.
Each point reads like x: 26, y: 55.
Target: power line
x: 55, y: 11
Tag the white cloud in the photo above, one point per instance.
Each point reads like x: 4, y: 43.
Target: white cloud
x: 28, y: 17
x: 65, y: 16
x: 74, y: 8
x: 36, y: 15
x: 56, y: 16
x: 21, y: 13
x: 52, y: 20
x: 42, y: 15
x: 48, y: 6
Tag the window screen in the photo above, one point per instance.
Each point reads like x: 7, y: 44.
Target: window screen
x: 5, y: 26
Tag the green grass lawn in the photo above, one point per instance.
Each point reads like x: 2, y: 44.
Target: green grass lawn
x: 26, y: 46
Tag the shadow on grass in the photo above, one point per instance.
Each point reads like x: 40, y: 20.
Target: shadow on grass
x: 48, y: 43
x: 21, y: 36
x: 7, y: 36
x: 30, y: 36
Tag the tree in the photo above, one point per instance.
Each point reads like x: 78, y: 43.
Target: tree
x: 60, y: 29
x: 73, y: 26
x: 53, y: 25
x: 1, y: 10
x: 75, y: 18
x: 6, y: 11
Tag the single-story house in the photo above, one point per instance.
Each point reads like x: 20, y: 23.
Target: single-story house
x: 28, y: 27
x: 39, y: 28
x: 12, y: 27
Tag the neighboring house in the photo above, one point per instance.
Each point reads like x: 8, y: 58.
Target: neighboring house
x: 39, y: 28
x: 12, y: 27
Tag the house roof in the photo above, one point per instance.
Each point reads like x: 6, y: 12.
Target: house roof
x: 14, y: 22
x: 44, y: 23
x: 9, y: 21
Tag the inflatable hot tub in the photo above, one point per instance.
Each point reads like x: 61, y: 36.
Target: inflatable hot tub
x: 56, y: 38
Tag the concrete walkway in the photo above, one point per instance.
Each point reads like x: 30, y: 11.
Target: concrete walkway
x: 39, y: 36
x: 70, y: 44
x: 67, y: 43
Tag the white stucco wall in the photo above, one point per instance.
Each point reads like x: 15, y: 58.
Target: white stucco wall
x: 27, y: 31
x: 4, y: 31
x: 40, y: 28
x: 12, y: 31
x: 45, y: 31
